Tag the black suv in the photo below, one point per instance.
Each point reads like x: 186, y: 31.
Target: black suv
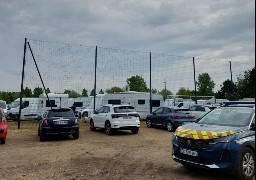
x: 60, y: 121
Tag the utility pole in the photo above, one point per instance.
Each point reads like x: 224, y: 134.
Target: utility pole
x: 165, y: 94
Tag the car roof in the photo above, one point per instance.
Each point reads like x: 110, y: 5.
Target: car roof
x: 250, y: 104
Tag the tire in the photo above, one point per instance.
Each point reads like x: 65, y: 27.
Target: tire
x: 2, y: 141
x: 246, y: 164
x: 42, y: 136
x: 148, y: 123
x: 169, y: 126
x: 76, y: 135
x: 135, y: 131
x: 92, y: 128
x: 108, y: 129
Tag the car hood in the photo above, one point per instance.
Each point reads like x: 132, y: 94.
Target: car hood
x: 203, y: 131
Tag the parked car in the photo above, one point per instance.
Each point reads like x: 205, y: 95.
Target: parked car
x: 199, y: 110
x: 115, y: 117
x: 170, y: 117
x: 222, y: 139
x: 3, y: 127
x: 61, y: 121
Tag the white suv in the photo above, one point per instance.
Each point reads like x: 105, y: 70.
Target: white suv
x: 115, y: 117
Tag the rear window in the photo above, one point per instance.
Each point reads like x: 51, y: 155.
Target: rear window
x: 2, y: 105
x: 124, y: 109
x: 61, y: 113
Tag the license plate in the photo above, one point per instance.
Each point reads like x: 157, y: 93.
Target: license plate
x: 61, y: 122
x: 127, y: 117
x: 188, y: 152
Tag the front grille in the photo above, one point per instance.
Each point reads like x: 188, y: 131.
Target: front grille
x: 194, y: 159
x: 192, y: 143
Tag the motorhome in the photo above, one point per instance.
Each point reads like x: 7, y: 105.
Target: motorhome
x: 32, y: 108
x: 139, y: 100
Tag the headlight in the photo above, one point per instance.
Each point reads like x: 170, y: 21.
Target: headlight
x: 222, y: 139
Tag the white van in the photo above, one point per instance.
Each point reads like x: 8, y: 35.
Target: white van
x: 3, y: 105
x: 32, y: 108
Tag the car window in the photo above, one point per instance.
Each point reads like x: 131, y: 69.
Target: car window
x: 2, y: 105
x: 228, y: 117
x: 166, y: 111
x: 106, y: 109
x: 192, y: 108
x: 200, y: 108
x: 101, y: 110
x: 124, y: 109
x: 68, y: 113
x: 158, y: 111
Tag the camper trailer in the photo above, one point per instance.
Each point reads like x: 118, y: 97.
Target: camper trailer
x: 32, y: 108
x: 139, y: 100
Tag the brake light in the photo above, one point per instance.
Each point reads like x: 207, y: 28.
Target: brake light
x: 175, y: 116
x: 45, y: 123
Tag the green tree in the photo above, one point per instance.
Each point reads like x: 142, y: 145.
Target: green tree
x: 114, y: 89
x: 136, y: 83
x: 184, y: 91
x: 47, y: 90
x: 84, y: 93
x: 92, y: 93
x: 165, y: 93
x: 154, y: 91
x: 228, y: 91
x: 37, y: 91
x: 205, y: 85
x: 101, y: 91
x: 246, y: 84
x: 27, y: 92
x: 72, y: 93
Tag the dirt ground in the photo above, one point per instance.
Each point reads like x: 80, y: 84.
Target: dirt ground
x: 146, y: 155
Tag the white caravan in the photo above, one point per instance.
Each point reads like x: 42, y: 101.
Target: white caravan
x: 139, y: 100
x: 32, y: 108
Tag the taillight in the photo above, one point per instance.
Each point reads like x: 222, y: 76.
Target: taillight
x: 45, y: 122
x: 76, y: 121
x: 175, y: 116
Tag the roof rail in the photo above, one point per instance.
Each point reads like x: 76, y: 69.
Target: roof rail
x: 238, y: 102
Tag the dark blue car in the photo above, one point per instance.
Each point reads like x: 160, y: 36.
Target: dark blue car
x: 170, y: 117
x: 222, y: 139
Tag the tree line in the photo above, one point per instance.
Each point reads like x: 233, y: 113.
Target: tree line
x: 243, y: 88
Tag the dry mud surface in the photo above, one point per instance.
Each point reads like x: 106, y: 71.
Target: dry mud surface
x: 94, y: 155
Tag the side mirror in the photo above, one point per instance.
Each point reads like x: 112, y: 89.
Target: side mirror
x: 154, y: 113
x: 39, y: 118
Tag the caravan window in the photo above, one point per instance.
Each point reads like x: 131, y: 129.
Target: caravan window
x: 78, y: 104
x: 52, y: 103
x: 114, y: 101
x: 141, y: 101
x: 155, y: 103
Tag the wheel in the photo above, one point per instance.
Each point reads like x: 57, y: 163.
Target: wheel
x: 76, y: 135
x: 108, y: 129
x: 246, y: 164
x: 2, y: 141
x: 148, y: 122
x: 169, y: 126
x: 135, y: 131
x: 42, y: 136
x: 92, y: 128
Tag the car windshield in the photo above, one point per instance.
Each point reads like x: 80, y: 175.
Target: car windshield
x: 228, y: 117
x: 124, y: 109
x: 65, y: 113
x: 2, y: 105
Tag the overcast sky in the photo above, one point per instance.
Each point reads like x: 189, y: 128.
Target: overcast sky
x: 205, y: 29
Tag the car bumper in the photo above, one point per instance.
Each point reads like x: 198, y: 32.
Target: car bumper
x: 125, y: 126
x: 60, y: 130
x: 217, y: 156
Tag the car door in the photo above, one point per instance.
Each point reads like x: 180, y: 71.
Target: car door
x: 156, y: 115
x: 97, y: 117
x: 104, y: 116
x: 164, y: 116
